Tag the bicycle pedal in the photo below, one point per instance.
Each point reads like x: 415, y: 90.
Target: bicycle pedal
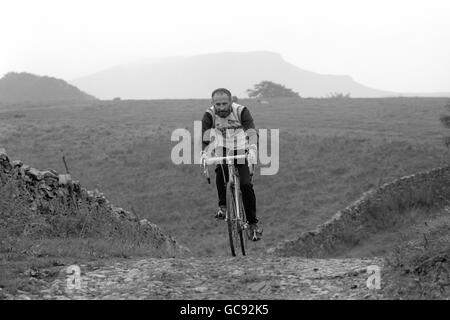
x: 255, y: 236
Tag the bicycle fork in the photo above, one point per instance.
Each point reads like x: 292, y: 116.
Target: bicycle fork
x: 243, y: 224
x: 234, y: 179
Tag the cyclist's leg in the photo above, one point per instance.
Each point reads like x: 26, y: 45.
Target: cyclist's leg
x: 248, y: 194
x: 221, y: 183
x: 221, y: 171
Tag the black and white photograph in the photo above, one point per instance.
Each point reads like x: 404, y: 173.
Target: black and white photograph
x: 224, y: 156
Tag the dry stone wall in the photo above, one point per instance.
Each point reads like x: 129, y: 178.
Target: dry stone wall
x: 42, y: 187
x: 378, y: 209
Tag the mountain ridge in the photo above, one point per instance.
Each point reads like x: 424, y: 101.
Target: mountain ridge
x: 194, y: 76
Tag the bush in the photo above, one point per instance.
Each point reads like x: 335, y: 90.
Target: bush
x: 269, y: 89
x: 420, y: 270
x: 338, y: 95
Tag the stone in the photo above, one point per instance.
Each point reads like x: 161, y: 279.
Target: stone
x: 35, y: 174
x: 61, y: 193
x: 119, y: 212
x: 24, y: 169
x: 101, y: 200
x: 64, y: 179
x: 76, y: 186
x: 49, y: 174
x: 17, y: 163
x: 3, y: 155
x: 49, y: 194
x: 237, y: 273
x: 51, y: 181
x: 97, y: 193
x: 44, y: 186
x: 258, y: 286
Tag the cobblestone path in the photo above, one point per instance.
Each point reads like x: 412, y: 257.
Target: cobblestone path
x: 265, y: 277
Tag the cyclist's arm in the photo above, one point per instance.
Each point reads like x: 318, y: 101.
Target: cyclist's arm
x: 249, y: 126
x: 207, y: 123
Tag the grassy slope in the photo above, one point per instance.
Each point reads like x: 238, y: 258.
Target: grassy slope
x: 418, y: 263
x: 35, y: 244
x: 330, y: 152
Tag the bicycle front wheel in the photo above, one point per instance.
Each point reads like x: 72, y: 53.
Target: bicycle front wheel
x: 231, y: 218
x: 241, y: 226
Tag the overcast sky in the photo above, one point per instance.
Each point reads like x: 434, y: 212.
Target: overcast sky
x: 395, y: 45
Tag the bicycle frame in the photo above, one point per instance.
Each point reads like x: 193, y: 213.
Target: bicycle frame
x: 233, y: 178
x: 235, y: 214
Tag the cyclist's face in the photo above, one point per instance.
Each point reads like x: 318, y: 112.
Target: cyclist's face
x: 222, y: 104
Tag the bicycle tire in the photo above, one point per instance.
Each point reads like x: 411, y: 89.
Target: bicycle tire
x: 242, y: 232
x: 231, y: 218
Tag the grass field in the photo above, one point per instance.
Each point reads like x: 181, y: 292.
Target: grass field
x: 331, y: 150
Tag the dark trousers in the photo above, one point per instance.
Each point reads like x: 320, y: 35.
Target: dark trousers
x: 248, y: 194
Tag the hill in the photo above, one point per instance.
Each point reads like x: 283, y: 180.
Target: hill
x: 196, y: 76
x: 330, y: 150
x: 26, y: 87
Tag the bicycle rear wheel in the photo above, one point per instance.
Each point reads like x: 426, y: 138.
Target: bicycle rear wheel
x: 231, y: 218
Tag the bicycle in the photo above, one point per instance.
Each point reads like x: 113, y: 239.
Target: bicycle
x: 235, y: 213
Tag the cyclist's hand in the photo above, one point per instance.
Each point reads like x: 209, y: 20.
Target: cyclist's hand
x: 203, y: 157
x: 252, y: 154
x: 251, y: 169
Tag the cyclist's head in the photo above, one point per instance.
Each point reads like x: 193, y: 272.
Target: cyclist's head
x: 221, y: 100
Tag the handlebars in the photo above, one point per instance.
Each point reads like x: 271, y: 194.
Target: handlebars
x: 228, y: 159
x: 216, y: 160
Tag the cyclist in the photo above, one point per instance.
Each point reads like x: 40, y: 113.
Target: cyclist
x: 232, y: 125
